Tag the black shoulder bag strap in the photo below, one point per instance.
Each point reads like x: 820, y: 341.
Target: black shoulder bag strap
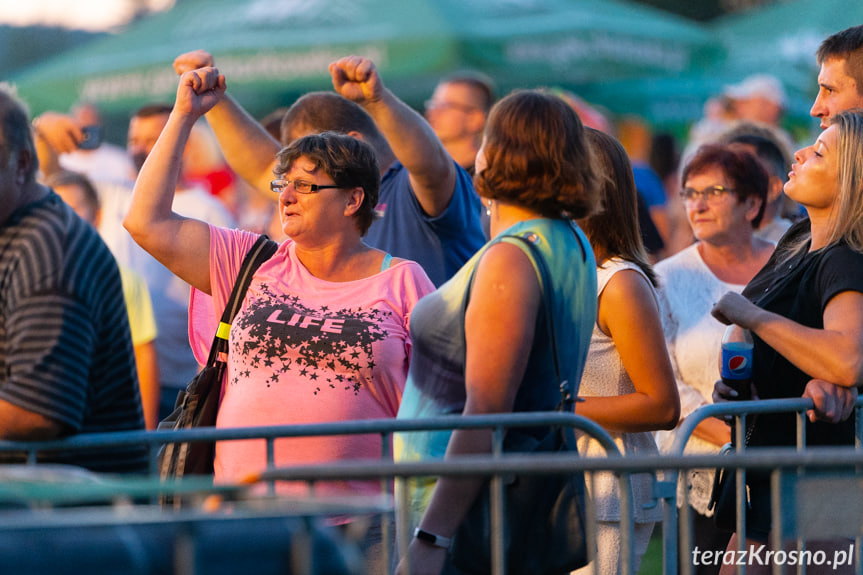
x: 261, y: 251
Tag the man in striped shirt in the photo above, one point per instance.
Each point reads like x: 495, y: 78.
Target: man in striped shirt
x: 66, y: 358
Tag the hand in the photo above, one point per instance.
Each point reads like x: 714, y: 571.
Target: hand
x: 192, y: 61
x: 425, y: 559
x: 199, y: 91
x: 734, y: 308
x: 723, y: 393
x: 60, y: 131
x: 833, y: 403
x: 356, y: 79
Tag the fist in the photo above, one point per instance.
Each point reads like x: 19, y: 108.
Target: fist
x: 60, y: 131
x: 192, y: 61
x: 356, y: 79
x: 199, y: 91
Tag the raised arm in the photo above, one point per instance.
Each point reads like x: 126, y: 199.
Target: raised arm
x: 432, y: 171
x: 247, y: 146
x: 181, y: 244
x: 56, y: 134
x: 834, y: 353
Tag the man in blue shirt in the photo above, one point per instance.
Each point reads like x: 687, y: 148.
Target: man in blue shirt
x: 428, y: 211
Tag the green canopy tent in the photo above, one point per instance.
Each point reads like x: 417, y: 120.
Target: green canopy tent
x: 273, y: 50
x: 780, y: 40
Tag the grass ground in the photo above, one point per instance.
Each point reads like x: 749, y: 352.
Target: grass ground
x: 651, y: 563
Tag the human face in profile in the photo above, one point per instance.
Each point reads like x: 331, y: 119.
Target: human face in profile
x: 837, y: 91
x: 814, y: 177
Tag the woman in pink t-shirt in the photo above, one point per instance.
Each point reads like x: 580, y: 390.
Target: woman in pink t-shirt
x: 323, y: 331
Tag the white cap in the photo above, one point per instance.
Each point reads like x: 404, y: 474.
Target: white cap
x: 758, y: 85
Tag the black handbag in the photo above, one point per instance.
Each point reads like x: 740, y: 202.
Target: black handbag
x: 544, y: 526
x: 198, y: 404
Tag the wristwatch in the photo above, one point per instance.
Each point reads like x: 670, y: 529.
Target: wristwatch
x: 432, y: 539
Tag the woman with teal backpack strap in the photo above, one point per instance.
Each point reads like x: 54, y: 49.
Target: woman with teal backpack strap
x: 481, y: 341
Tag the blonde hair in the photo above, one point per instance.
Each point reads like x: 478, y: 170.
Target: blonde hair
x: 846, y: 219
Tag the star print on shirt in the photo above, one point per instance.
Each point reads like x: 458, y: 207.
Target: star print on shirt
x: 278, y: 333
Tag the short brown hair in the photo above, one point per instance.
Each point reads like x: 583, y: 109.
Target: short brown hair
x: 82, y: 182
x: 537, y: 155
x: 745, y: 171
x: 846, y: 45
x: 348, y: 161
x: 328, y: 112
x: 481, y: 85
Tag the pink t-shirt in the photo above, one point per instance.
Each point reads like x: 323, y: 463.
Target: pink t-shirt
x: 305, y: 350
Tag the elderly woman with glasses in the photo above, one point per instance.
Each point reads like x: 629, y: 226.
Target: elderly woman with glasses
x: 724, y: 193
x: 322, y: 334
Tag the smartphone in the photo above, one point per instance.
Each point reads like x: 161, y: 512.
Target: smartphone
x: 92, y: 138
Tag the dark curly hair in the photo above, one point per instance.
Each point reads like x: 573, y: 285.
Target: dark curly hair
x: 536, y: 155
x: 348, y: 161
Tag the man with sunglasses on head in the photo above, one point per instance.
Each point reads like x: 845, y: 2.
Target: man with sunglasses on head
x: 428, y: 211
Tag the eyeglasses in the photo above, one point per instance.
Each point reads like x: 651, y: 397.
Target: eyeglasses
x: 711, y: 193
x: 440, y: 105
x: 300, y: 186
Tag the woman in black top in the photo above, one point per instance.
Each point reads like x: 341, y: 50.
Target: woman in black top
x: 805, y: 307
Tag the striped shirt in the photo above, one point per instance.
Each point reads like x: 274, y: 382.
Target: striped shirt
x: 65, y: 348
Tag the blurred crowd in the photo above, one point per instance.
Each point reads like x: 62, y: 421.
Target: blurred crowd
x: 407, y: 280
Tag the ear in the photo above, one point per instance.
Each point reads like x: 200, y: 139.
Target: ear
x: 22, y: 169
x: 357, y: 135
x: 753, y: 206
x: 355, y: 197
x: 476, y: 121
x: 774, y: 189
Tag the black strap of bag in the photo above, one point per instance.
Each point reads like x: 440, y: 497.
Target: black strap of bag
x: 261, y: 251
x: 545, y: 526
x: 198, y: 404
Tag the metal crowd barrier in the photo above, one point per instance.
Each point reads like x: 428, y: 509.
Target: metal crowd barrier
x: 842, y: 466
x: 384, y: 427
x: 792, y: 494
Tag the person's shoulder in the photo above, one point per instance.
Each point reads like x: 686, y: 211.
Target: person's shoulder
x: 408, y: 272
x: 51, y: 220
x: 681, y: 260
x: 626, y: 285
x: 844, y: 256
x: 393, y: 173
